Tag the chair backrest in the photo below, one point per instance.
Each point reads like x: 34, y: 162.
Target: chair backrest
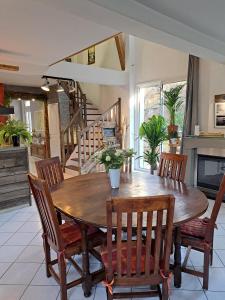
x: 50, y: 170
x: 172, y: 166
x: 46, y: 211
x: 138, y: 214
x: 216, y: 208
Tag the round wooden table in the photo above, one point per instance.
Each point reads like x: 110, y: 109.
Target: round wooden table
x: 83, y: 198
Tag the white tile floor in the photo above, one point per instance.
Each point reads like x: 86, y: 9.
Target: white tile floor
x: 22, y: 268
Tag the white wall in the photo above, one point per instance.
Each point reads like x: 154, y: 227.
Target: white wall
x: 155, y: 62
x: 106, y: 56
x: 211, y: 83
x: 54, y: 130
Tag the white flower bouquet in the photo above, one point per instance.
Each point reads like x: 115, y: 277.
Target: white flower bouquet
x: 111, y: 158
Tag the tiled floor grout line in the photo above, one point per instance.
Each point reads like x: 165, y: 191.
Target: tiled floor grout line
x: 30, y: 282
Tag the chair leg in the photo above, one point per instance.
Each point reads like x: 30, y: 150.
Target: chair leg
x: 109, y: 296
x: 62, y: 276
x: 165, y: 290
x: 47, y: 256
x: 188, y: 251
x: 206, y: 270
x: 211, y: 257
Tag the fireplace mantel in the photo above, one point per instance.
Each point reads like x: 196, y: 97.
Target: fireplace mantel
x: 192, y: 145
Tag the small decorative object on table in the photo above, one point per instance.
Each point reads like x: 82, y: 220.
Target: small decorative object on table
x: 113, y: 160
x: 128, y: 160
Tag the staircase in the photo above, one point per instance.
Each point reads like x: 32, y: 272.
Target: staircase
x: 83, y: 137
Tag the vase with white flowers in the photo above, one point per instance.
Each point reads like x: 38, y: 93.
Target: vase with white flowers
x: 113, y: 160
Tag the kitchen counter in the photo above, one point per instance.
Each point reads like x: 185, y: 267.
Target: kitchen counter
x: 14, y: 187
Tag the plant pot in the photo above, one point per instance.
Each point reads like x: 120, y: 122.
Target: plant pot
x: 114, y: 175
x: 16, y: 140
x: 172, y: 129
x: 173, y: 141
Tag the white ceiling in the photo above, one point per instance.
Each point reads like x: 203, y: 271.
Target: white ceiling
x: 206, y: 16
x: 36, y: 33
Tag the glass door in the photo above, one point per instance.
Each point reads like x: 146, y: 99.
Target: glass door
x: 149, y: 103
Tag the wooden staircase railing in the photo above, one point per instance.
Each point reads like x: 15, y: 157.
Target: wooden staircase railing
x: 69, y: 136
x: 77, y: 98
x: 90, y: 140
x: 78, y: 118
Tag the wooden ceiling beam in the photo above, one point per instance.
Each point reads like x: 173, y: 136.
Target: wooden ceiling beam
x: 120, y: 45
x: 9, y: 68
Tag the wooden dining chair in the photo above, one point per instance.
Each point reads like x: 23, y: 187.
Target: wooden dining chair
x: 172, y: 166
x: 50, y: 170
x: 64, y: 239
x: 139, y: 262
x: 198, y: 234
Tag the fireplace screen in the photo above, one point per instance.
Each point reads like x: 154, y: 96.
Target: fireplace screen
x: 210, y: 171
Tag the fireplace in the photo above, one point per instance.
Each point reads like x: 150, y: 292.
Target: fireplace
x: 210, y: 170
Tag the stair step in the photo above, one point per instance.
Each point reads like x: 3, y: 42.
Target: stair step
x: 87, y: 152
x: 77, y: 160
x: 92, y: 108
x: 74, y: 168
x: 92, y: 114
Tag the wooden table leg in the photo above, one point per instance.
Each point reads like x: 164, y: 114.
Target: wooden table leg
x: 87, y: 278
x: 177, y: 258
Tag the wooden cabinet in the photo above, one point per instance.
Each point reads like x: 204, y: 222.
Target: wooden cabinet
x: 38, y: 150
x: 14, y: 187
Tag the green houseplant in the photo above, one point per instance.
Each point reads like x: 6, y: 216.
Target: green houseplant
x: 13, y: 131
x: 154, y: 132
x: 173, y: 102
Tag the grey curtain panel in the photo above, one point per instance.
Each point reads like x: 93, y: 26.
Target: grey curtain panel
x: 191, y: 111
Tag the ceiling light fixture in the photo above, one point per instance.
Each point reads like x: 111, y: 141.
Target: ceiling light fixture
x: 59, y: 88
x: 33, y: 99
x: 45, y: 86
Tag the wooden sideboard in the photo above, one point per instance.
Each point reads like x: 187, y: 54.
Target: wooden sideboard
x: 14, y: 187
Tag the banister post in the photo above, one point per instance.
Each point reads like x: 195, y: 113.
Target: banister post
x: 79, y: 147
x: 119, y: 113
x: 63, y: 157
x: 119, y: 120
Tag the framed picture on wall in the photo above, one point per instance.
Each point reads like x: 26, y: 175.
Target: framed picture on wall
x: 220, y: 111
x: 91, y: 55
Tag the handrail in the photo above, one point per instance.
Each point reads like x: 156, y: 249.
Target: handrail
x: 79, y: 112
x: 86, y: 129
x: 88, y: 140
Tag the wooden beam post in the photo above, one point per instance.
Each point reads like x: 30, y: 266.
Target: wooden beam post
x: 120, y: 45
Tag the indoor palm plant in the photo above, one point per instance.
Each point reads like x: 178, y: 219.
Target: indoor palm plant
x: 154, y: 132
x: 173, y: 102
x: 14, y: 131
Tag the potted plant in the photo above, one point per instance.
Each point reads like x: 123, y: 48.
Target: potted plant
x: 173, y: 137
x: 154, y: 132
x: 13, y: 131
x: 113, y: 160
x: 173, y: 102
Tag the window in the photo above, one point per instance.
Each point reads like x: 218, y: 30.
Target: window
x: 150, y: 101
